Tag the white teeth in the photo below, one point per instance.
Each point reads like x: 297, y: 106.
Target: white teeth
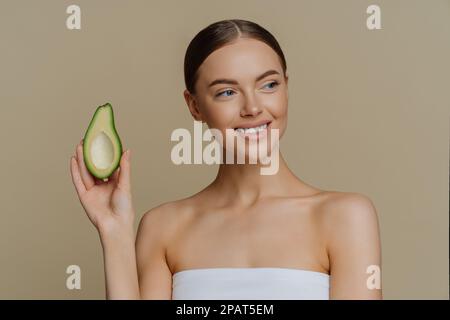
x: 252, y: 130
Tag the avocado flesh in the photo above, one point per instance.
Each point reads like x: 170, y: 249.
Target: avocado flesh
x: 102, y: 148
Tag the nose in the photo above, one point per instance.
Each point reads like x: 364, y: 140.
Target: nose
x: 250, y: 108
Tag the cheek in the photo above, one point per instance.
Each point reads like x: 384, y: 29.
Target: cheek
x: 220, y: 115
x: 277, y: 104
x: 278, y: 108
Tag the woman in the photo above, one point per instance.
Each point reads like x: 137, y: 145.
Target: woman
x: 246, y: 235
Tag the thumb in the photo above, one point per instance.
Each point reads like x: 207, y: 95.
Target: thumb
x: 125, y: 172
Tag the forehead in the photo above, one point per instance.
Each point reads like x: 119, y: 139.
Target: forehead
x: 243, y: 59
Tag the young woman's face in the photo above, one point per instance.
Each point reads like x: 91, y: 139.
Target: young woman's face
x: 241, y: 85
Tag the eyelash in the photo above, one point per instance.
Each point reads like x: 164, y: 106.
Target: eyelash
x: 273, y: 82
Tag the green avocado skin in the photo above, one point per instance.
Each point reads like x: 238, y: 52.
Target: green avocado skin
x: 116, y: 142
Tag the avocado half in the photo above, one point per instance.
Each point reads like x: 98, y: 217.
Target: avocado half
x: 102, y: 148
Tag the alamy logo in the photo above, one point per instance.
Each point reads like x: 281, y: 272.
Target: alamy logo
x: 74, y: 20
x: 374, y: 20
x: 74, y: 280
x: 374, y: 280
x: 257, y: 143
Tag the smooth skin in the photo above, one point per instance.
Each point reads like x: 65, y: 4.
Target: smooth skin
x: 241, y: 219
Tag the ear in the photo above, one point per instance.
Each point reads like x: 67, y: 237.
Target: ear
x: 191, y: 102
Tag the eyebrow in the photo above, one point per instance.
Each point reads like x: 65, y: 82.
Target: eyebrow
x: 230, y: 81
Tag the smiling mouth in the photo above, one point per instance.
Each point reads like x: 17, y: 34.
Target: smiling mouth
x: 253, y: 129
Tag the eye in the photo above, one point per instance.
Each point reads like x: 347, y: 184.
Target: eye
x: 220, y: 93
x: 274, y: 83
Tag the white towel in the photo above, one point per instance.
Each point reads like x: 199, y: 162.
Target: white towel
x: 250, y: 283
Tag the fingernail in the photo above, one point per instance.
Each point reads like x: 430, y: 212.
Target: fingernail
x: 128, y: 154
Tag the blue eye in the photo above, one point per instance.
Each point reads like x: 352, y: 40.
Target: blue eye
x: 220, y: 93
x: 274, y: 83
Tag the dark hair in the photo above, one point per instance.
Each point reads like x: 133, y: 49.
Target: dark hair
x: 219, y: 34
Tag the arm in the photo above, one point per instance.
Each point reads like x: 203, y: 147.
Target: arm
x: 120, y: 264
x: 354, y: 249
x: 136, y: 267
x: 155, y: 277
x: 109, y: 207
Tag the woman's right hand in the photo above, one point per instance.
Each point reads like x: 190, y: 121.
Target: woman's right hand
x: 107, y: 204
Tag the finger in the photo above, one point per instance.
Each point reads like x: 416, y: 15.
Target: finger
x: 76, y: 177
x: 87, y: 178
x: 115, y: 176
x: 125, y: 172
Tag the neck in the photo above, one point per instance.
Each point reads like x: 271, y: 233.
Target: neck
x: 243, y: 184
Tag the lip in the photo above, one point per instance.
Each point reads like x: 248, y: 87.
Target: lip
x: 253, y: 124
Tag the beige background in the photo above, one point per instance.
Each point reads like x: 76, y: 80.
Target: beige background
x: 369, y: 113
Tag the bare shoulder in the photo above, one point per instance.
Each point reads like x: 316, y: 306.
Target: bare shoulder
x: 166, y: 217
x: 350, y: 205
x: 341, y: 212
x: 349, y: 225
x: 156, y: 228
